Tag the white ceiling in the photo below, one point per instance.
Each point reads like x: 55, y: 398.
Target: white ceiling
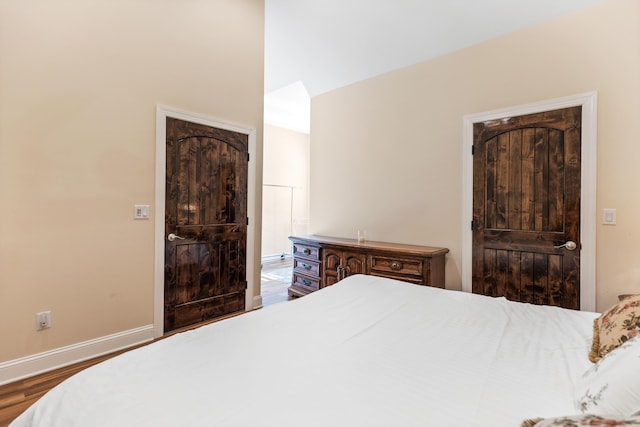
x: 321, y: 45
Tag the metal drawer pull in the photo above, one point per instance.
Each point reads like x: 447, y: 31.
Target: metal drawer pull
x: 306, y: 266
x: 306, y: 251
x: 396, y: 265
x: 306, y: 282
x: 342, y: 272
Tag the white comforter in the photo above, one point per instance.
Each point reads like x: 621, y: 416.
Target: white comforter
x: 364, y: 352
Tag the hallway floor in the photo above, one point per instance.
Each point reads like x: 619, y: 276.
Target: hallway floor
x: 275, y: 278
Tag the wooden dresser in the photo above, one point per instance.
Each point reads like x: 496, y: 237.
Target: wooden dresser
x: 320, y: 261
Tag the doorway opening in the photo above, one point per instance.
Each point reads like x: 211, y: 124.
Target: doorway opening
x: 275, y: 279
x: 285, y: 191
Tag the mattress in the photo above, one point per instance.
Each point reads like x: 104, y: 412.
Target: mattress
x: 366, y: 351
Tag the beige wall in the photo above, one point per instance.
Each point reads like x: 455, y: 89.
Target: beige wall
x: 386, y: 153
x: 285, y: 173
x: 79, y: 85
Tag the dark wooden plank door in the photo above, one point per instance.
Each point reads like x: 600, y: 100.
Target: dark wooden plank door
x: 526, y: 203
x: 206, y: 208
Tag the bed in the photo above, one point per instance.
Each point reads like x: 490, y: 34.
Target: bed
x: 367, y: 351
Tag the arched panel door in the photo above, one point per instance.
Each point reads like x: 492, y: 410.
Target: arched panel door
x: 526, y: 208
x: 205, y: 223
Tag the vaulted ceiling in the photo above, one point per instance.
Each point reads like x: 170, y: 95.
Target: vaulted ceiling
x: 315, y: 46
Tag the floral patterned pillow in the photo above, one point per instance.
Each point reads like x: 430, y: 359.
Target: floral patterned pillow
x: 612, y: 386
x: 615, y: 326
x: 588, y: 420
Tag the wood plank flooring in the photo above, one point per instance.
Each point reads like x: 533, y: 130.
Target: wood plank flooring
x: 18, y: 396
x: 275, y: 278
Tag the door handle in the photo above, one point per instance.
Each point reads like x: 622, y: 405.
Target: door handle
x: 172, y: 237
x: 569, y: 245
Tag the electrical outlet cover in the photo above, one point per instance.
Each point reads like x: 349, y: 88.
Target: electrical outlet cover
x: 43, y: 320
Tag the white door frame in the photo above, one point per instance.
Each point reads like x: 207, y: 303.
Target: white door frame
x: 588, y: 101
x: 162, y: 112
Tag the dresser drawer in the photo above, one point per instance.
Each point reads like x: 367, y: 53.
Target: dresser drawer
x: 397, y: 266
x: 306, y: 251
x: 308, y: 283
x: 305, y: 266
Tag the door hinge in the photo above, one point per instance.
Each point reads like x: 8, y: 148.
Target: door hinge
x: 247, y: 220
x: 473, y: 150
x: 248, y: 157
x: 473, y: 224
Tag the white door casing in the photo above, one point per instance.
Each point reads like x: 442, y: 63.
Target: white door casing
x: 588, y: 101
x: 162, y: 112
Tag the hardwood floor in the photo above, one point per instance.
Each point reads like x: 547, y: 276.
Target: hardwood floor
x: 18, y: 396
x: 275, y: 278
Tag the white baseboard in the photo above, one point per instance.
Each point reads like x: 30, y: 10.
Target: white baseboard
x: 275, y: 258
x: 257, y: 302
x: 25, y: 367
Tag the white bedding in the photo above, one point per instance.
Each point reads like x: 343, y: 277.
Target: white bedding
x: 364, y: 352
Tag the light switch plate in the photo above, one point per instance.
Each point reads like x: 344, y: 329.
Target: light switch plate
x: 140, y: 211
x: 609, y: 216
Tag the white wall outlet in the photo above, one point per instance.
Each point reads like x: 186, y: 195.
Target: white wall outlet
x: 43, y: 320
x: 140, y: 211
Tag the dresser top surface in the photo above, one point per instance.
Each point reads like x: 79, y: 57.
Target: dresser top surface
x: 371, y: 245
